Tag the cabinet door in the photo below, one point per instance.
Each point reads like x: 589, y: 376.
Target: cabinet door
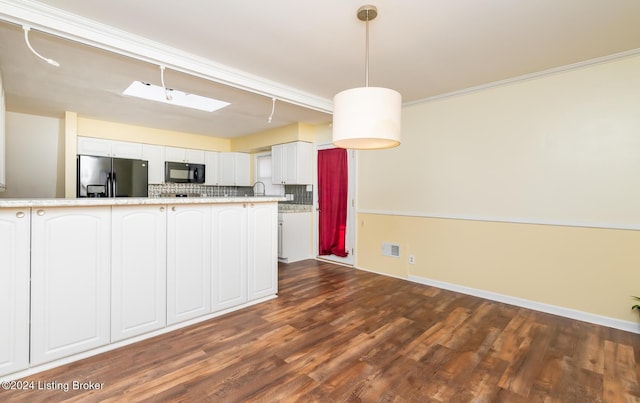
x: 227, y: 169
x: 295, y: 243
x: 14, y: 290
x: 126, y: 149
x: 277, y: 167
x: 91, y: 146
x: 229, y: 270
x: 138, y: 270
x: 291, y: 163
x: 3, y: 150
x: 303, y: 155
x: 263, y: 250
x: 70, y: 281
x: 155, y: 156
x: 194, y: 156
x: 174, y: 154
x: 188, y: 262
x: 211, y: 168
x: 243, y: 169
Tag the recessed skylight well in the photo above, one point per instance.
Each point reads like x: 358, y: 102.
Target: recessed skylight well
x: 156, y: 93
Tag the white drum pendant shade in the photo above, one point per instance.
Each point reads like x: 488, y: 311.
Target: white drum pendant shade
x: 367, y: 118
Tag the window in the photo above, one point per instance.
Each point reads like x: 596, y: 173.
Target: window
x: 263, y: 174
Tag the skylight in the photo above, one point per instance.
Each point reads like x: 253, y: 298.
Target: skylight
x: 173, y: 97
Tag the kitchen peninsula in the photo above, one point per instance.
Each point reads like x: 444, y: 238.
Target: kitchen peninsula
x: 96, y: 274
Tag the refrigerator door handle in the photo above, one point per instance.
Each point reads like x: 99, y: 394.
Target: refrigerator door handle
x: 109, y: 186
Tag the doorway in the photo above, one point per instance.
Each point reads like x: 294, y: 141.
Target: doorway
x: 335, y: 240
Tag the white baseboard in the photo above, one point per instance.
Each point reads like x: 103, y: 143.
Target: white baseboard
x: 627, y: 326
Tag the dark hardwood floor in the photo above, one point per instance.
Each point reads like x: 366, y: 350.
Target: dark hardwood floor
x: 337, y: 334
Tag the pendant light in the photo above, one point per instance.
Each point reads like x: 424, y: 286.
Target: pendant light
x: 367, y: 118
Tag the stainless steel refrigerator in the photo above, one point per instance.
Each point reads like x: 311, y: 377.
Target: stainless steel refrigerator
x: 112, y: 177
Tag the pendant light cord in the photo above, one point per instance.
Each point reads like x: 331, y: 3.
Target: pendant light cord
x: 366, y: 53
x: 167, y: 92
x: 26, y: 39
x: 273, y: 109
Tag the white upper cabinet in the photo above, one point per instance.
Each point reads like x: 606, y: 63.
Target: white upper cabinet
x: 291, y: 163
x: 234, y: 169
x: 155, y: 156
x: 177, y: 154
x: 91, y: 146
x: 212, y: 169
x: 109, y: 148
x: 125, y: 149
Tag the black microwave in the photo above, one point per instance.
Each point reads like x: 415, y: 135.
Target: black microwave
x: 182, y: 172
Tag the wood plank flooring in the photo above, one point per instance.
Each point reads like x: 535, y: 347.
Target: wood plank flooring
x: 337, y: 334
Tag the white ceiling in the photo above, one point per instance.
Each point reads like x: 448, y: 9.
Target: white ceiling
x: 300, y: 52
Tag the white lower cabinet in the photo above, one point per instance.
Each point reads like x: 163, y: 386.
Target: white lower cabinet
x: 294, y: 236
x: 70, y: 281
x: 229, y: 269
x: 14, y: 290
x: 138, y: 270
x: 245, y: 265
x: 188, y: 262
x: 262, y: 250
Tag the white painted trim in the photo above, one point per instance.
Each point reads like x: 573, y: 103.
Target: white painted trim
x: 126, y: 342
x: 73, y: 27
x: 534, y: 305
x: 513, y: 220
x: 351, y: 241
x: 526, y: 77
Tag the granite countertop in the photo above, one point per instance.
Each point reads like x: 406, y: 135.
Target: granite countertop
x: 131, y: 201
x: 294, y: 208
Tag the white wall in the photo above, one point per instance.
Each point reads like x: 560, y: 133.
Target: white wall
x: 33, y: 155
x: 559, y: 149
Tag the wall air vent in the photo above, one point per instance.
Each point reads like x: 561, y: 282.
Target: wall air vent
x: 389, y: 249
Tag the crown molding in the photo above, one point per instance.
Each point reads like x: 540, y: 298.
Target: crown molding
x: 73, y: 27
x: 526, y: 77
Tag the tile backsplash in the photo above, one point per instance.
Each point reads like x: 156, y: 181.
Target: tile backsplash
x: 299, y: 192
x: 202, y: 190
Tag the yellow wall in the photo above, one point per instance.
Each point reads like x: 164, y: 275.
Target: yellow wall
x: 139, y: 134
x: 587, y: 269
x: 264, y: 140
x: 476, y: 173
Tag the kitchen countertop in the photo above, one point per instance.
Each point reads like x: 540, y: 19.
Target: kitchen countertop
x: 294, y: 208
x: 131, y: 201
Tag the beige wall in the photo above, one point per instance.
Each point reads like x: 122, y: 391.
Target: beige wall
x: 34, y: 145
x: 262, y: 141
x: 560, y: 150
x: 139, y: 134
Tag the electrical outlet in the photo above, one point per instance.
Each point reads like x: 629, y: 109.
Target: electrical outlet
x: 412, y: 259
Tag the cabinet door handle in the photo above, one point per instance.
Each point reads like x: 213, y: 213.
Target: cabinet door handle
x: 244, y: 205
x: 173, y: 208
x: 40, y: 212
x: 20, y: 214
x: 161, y: 209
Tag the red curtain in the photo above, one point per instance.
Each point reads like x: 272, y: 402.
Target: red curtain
x: 332, y: 201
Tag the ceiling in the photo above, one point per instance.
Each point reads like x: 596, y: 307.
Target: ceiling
x: 300, y: 53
